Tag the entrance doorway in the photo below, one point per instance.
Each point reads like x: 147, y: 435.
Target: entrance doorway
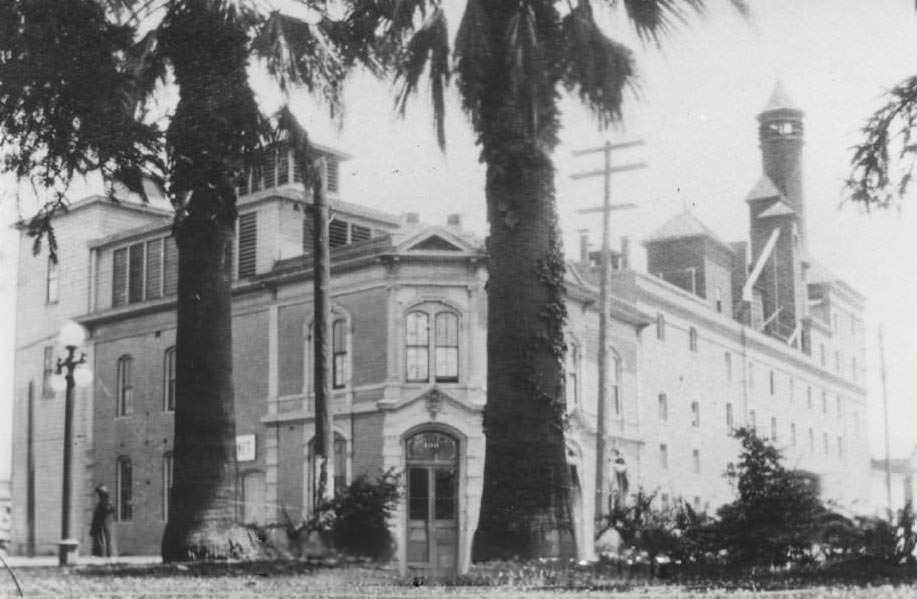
x: 432, y: 476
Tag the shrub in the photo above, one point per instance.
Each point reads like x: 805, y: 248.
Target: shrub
x: 357, y: 519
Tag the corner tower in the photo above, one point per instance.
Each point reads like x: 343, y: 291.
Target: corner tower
x: 780, y: 132
x: 775, y: 290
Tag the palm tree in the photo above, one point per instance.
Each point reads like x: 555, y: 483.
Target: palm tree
x: 77, y: 82
x: 512, y: 58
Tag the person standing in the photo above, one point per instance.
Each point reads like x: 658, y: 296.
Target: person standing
x: 100, y: 528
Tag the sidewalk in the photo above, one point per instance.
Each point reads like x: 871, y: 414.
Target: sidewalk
x: 44, y: 561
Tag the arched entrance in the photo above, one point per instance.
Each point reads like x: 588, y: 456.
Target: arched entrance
x: 432, y: 459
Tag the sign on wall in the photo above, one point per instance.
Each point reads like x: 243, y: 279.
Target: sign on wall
x: 245, y: 448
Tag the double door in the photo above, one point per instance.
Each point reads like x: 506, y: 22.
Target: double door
x: 432, y: 523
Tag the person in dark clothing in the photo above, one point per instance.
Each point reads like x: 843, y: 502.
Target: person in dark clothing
x: 100, y: 529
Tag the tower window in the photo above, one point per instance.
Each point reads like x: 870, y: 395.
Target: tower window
x: 660, y: 326
x: 772, y: 382
x: 773, y: 429
x: 730, y: 422
x: 248, y: 243
x: 664, y: 456
x: 663, y: 408
x: 695, y: 460
x: 692, y: 339
x: 695, y: 414
x: 752, y: 421
x: 728, y: 358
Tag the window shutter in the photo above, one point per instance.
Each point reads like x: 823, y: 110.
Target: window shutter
x: 248, y: 241
x: 135, y: 273
x: 154, y: 269
x: 331, y: 174
x: 283, y: 164
x: 308, y: 230
x: 337, y: 233
x: 170, y: 267
x: 119, y: 278
x: 359, y: 233
x: 270, y: 168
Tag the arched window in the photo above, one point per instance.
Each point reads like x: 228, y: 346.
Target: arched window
x: 447, y: 347
x: 339, y: 351
x: 443, y: 344
x: 417, y: 339
x: 166, y: 483
x: 124, y: 489
x: 168, y: 382
x: 125, y: 387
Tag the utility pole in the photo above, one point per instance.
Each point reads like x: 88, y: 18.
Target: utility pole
x: 606, y: 209
x: 888, y: 467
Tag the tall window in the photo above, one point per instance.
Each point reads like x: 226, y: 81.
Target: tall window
x: 752, y: 421
x: 728, y: 359
x: 695, y: 460
x: 571, y: 382
x: 811, y: 440
x: 824, y: 402
x: 166, y: 483
x: 443, y: 344
x: 692, y: 339
x: 660, y: 326
x: 417, y: 340
x: 52, y: 285
x: 772, y: 381
x: 143, y: 271
x: 751, y: 374
x: 663, y: 456
x: 47, y: 371
x: 837, y: 361
x: 773, y: 429
x: 248, y: 244
x: 821, y: 353
x: 125, y: 387
x: 853, y: 368
x: 124, y: 489
x: 719, y: 299
x: 730, y: 419
x: 827, y: 448
x: 695, y: 414
x: 840, y: 406
x: 168, y: 382
x: 840, y: 446
x: 663, y: 407
x: 792, y: 389
x: 793, y: 434
x: 447, y: 347
x: 339, y: 351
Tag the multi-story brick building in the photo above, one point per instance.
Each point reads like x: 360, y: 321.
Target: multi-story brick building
x: 714, y: 337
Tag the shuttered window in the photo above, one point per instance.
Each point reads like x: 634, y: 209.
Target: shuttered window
x: 135, y: 273
x: 283, y: 164
x: 256, y: 178
x: 154, y: 269
x: 331, y: 174
x: 248, y: 241
x: 359, y: 233
x: 308, y: 231
x: 337, y: 233
x: 170, y: 267
x: 119, y: 278
x: 270, y: 168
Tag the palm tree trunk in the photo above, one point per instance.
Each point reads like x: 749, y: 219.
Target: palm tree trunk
x: 525, y: 505
x: 202, y: 521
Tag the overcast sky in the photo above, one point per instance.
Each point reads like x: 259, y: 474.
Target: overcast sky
x: 696, y: 111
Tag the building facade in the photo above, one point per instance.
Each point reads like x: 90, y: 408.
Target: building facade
x: 714, y: 336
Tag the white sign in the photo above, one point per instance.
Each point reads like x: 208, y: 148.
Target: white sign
x: 245, y: 448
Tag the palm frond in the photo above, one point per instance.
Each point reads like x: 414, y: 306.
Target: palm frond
x: 595, y: 66
x: 302, y: 54
x: 882, y: 166
x: 654, y: 18
x: 427, y: 47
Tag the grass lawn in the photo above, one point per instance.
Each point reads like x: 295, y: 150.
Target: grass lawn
x: 297, y: 579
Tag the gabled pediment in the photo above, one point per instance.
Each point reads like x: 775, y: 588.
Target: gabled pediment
x: 436, y: 239
x: 435, y: 242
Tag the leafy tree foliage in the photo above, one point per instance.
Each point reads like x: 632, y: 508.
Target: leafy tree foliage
x: 78, y: 80
x: 776, y: 514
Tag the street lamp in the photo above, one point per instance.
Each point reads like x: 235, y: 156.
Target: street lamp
x: 68, y: 377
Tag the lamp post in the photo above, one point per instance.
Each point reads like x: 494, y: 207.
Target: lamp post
x: 67, y: 378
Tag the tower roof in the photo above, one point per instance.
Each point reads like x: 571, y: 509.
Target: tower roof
x: 780, y: 100
x: 682, y: 226
x: 778, y: 208
x: 764, y: 189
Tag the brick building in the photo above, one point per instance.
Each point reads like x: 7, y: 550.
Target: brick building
x: 714, y: 336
